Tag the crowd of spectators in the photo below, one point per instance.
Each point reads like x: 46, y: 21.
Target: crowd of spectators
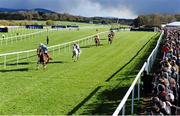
x: 164, y: 83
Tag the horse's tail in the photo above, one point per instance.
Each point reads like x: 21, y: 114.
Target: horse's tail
x: 49, y: 56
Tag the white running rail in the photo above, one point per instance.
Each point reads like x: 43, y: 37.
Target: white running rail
x: 20, y: 37
x: 51, y: 48
x: 146, y: 67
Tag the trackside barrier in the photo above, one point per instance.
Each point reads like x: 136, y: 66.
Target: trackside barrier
x: 146, y: 67
x: 24, y: 36
x: 152, y: 56
x: 84, y: 41
x: 121, y: 106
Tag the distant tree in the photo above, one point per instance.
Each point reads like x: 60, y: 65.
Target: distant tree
x: 177, y: 16
x: 156, y: 22
x: 36, y: 16
x: 53, y: 16
x: 29, y: 16
x: 4, y: 23
x: 138, y: 21
x: 49, y: 22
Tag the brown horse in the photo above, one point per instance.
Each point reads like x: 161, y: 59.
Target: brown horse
x: 43, y: 58
x: 113, y: 34
x: 111, y: 37
x: 97, y: 40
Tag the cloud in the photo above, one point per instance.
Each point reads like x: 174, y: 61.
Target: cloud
x: 90, y: 8
x: 107, y: 8
x: 143, y: 6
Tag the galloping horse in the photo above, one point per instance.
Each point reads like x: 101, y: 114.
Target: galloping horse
x: 113, y: 34
x: 97, y: 40
x: 42, y: 58
x: 76, y: 53
x: 111, y: 37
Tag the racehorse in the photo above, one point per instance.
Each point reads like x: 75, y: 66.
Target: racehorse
x: 110, y: 38
x: 76, y: 54
x: 113, y: 34
x: 97, y: 40
x: 42, y: 58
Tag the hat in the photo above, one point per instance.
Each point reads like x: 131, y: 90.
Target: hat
x: 171, y: 96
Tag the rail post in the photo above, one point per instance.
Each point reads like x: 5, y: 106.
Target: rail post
x: 59, y: 49
x: 139, y: 82
x: 132, y: 102
x: 4, y: 61
x: 123, y: 110
x: 17, y: 59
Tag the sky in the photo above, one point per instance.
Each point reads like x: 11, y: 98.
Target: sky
x: 128, y: 9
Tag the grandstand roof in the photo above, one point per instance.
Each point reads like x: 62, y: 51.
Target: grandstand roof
x: 173, y: 24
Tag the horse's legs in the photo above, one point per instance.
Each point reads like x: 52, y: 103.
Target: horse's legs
x: 78, y: 56
x: 38, y: 62
x: 37, y: 66
x: 74, y: 59
x: 44, y: 65
x: 72, y: 55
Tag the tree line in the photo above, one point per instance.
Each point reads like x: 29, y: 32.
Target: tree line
x: 43, y: 16
x: 150, y: 20
x: 155, y: 20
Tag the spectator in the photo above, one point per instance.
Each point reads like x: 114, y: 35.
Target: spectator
x: 166, y: 83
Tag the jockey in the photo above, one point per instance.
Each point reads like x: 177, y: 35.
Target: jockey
x: 112, y: 33
x: 97, y: 37
x: 97, y: 40
x: 109, y: 36
x: 76, y: 46
x: 44, y: 49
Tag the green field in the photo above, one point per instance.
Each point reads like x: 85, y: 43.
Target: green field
x: 55, y: 37
x: 68, y: 87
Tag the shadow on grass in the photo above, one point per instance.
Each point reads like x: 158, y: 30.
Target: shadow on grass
x: 57, y: 62
x: 108, y: 97
x: 117, y: 92
x: 15, y: 70
x: 107, y: 101
x: 104, y: 39
x: 90, y: 46
x: 131, y: 60
x: 27, y: 63
x: 84, y: 101
x: 20, y: 63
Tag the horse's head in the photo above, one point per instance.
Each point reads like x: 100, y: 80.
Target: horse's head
x: 44, y: 58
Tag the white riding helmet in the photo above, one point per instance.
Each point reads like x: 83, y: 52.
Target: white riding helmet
x: 40, y: 44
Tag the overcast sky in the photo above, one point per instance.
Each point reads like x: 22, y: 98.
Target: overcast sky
x: 106, y: 8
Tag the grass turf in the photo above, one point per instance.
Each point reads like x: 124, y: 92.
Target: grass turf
x: 55, y: 37
x: 65, y: 84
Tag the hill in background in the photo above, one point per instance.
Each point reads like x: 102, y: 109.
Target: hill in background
x: 44, y: 14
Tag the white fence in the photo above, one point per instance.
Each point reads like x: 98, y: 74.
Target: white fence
x: 147, y: 66
x: 152, y: 56
x: 54, y: 48
x: 24, y: 36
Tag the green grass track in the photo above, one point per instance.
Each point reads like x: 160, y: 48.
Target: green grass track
x: 65, y: 84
